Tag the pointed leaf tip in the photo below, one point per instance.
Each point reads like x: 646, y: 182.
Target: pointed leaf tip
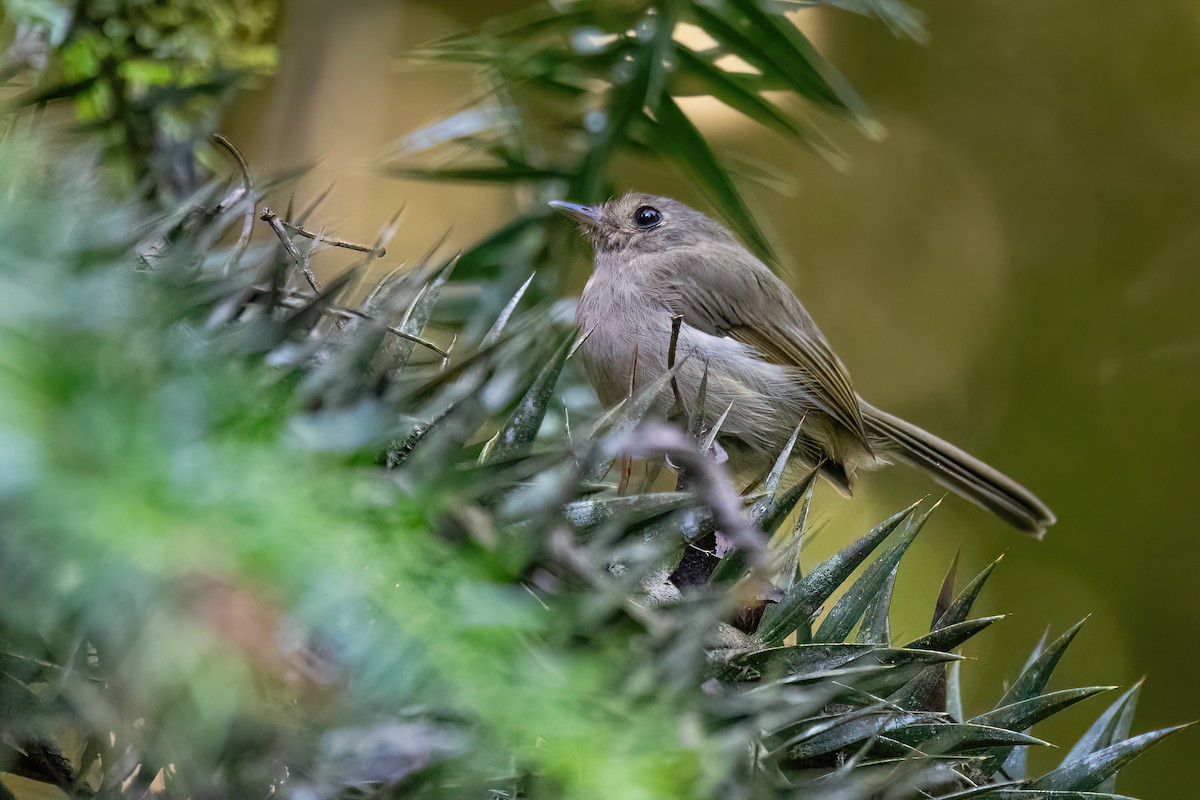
x: 1094, y: 769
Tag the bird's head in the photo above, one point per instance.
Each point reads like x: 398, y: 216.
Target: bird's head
x: 639, y: 223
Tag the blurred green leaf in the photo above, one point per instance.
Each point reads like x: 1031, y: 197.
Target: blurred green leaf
x: 677, y: 138
x: 515, y: 438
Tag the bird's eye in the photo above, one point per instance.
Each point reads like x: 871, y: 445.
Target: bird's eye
x: 647, y: 217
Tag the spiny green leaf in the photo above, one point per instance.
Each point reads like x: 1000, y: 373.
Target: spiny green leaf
x: 587, y: 515
x: 981, y: 791
x: 1039, y: 794
x: 1111, y: 727
x: 876, y: 628
x: 803, y: 599
x: 790, y: 547
x: 516, y: 436
x: 937, y: 688
x: 493, y: 334
x: 710, y: 438
x: 850, y: 607
x: 928, y: 690
x: 770, y: 512
x: 945, y: 593
x: 398, y: 351
x: 1031, y: 682
x: 901, y: 732
x: 767, y: 515
x: 1037, y: 674
x: 1093, y: 769
x: 619, y: 421
x: 840, y: 731
x: 1023, y: 714
x: 696, y: 420
x: 793, y: 660
x: 781, y: 463
x: 952, y: 636
x: 958, y: 737
x: 961, y: 607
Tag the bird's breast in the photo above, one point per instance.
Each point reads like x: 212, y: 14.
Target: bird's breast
x: 619, y: 318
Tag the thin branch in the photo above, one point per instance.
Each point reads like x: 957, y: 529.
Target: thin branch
x: 243, y: 167
x: 676, y: 324
x: 271, y: 218
x: 296, y: 299
x: 378, y: 252
x: 243, y: 241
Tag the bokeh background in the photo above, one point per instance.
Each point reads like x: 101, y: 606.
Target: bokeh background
x: 1016, y: 266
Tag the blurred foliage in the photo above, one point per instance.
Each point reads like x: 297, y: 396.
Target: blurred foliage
x: 255, y: 543
x: 574, y: 85
x: 143, y: 74
x: 258, y: 539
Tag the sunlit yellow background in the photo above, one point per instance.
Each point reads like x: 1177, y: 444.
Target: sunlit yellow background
x: 1015, y: 266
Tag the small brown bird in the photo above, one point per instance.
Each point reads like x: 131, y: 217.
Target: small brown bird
x: 767, y: 362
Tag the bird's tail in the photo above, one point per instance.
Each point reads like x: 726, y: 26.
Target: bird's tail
x: 959, y: 472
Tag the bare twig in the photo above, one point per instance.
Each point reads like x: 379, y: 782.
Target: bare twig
x: 239, y: 159
x: 295, y: 299
x: 271, y: 218
x: 243, y: 241
x: 374, y: 250
x: 676, y: 324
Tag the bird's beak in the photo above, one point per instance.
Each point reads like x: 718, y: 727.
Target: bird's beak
x: 585, y: 215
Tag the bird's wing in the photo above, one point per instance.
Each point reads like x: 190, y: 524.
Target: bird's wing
x: 766, y: 316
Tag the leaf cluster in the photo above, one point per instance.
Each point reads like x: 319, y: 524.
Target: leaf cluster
x: 572, y: 87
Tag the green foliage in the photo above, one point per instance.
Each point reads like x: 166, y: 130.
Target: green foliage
x: 252, y: 543
x: 147, y: 76
x: 576, y: 87
x: 261, y: 538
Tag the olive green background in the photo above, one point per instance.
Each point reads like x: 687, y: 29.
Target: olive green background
x: 1016, y: 266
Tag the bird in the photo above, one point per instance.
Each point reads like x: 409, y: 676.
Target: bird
x: 765, y: 363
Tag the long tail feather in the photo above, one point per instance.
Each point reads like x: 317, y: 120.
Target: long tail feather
x: 960, y: 472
